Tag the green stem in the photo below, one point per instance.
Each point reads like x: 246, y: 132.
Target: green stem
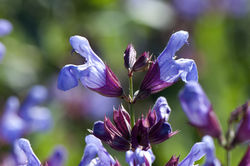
x: 228, y: 157
x: 131, y: 93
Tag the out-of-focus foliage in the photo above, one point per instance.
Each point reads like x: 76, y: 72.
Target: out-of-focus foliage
x: 38, y: 48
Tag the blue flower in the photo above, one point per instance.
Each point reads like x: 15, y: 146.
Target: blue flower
x: 140, y: 157
x: 5, y: 29
x: 166, y: 70
x: 25, y: 156
x: 200, y: 149
x: 199, y: 110
x: 94, y: 74
x: 95, y: 154
x: 162, y: 109
x: 12, y: 126
x: 29, y: 117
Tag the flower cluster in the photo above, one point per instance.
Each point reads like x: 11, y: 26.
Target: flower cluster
x: 18, y: 120
x: 135, y: 137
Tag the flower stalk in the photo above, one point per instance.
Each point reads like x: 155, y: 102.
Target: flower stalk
x: 131, y: 96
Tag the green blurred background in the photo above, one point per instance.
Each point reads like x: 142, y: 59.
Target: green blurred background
x: 38, y: 48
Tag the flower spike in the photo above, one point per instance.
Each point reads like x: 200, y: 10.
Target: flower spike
x: 165, y: 71
x: 94, y: 74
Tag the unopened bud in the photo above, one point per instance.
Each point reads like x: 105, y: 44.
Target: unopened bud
x: 129, y: 56
x: 142, y: 63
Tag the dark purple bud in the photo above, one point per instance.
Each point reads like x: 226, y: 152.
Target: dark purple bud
x: 142, y: 62
x: 198, y: 109
x: 246, y: 159
x: 140, y: 133
x: 243, y: 132
x: 117, y: 163
x: 112, y: 87
x: 122, y: 122
x: 129, y: 56
x: 100, y: 132
x: 151, y: 118
x: 173, y: 161
x: 160, y: 132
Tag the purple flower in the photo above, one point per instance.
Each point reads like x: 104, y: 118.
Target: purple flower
x: 246, y: 159
x: 191, y: 9
x: 199, y: 110
x: 5, y: 29
x: 206, y: 147
x: 162, y: 109
x: 95, y: 154
x: 58, y: 157
x: 243, y: 131
x: 12, y: 126
x: 173, y: 161
x: 166, y: 70
x: 29, y: 117
x: 25, y: 156
x: 94, y: 74
x: 122, y: 137
x: 38, y: 117
x: 140, y: 157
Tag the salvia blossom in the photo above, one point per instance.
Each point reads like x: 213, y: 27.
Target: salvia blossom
x: 140, y: 157
x: 166, y: 70
x: 94, y: 74
x: 206, y: 147
x: 121, y: 137
x: 29, y: 117
x: 5, y: 29
x: 95, y: 154
x: 25, y: 156
x: 246, y: 159
x: 199, y: 110
x: 162, y: 109
x: 243, y: 131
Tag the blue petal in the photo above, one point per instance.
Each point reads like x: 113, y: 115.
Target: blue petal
x: 162, y: 109
x: 176, y: 41
x: 196, y: 153
x: 5, y: 27
x: 140, y: 157
x: 195, y: 103
x: 37, y: 95
x: 91, y: 139
x: 90, y: 153
x: 210, y: 152
x: 12, y: 126
x: 25, y: 154
x: 2, y: 51
x: 172, y: 70
x: 38, y: 118
x: 58, y: 157
x: 81, y: 45
x: 67, y: 79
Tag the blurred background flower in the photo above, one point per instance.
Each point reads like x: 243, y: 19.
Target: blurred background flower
x: 38, y: 47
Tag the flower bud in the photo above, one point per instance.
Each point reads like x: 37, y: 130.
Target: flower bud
x: 142, y: 62
x: 129, y: 56
x: 243, y: 132
x: 173, y: 161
